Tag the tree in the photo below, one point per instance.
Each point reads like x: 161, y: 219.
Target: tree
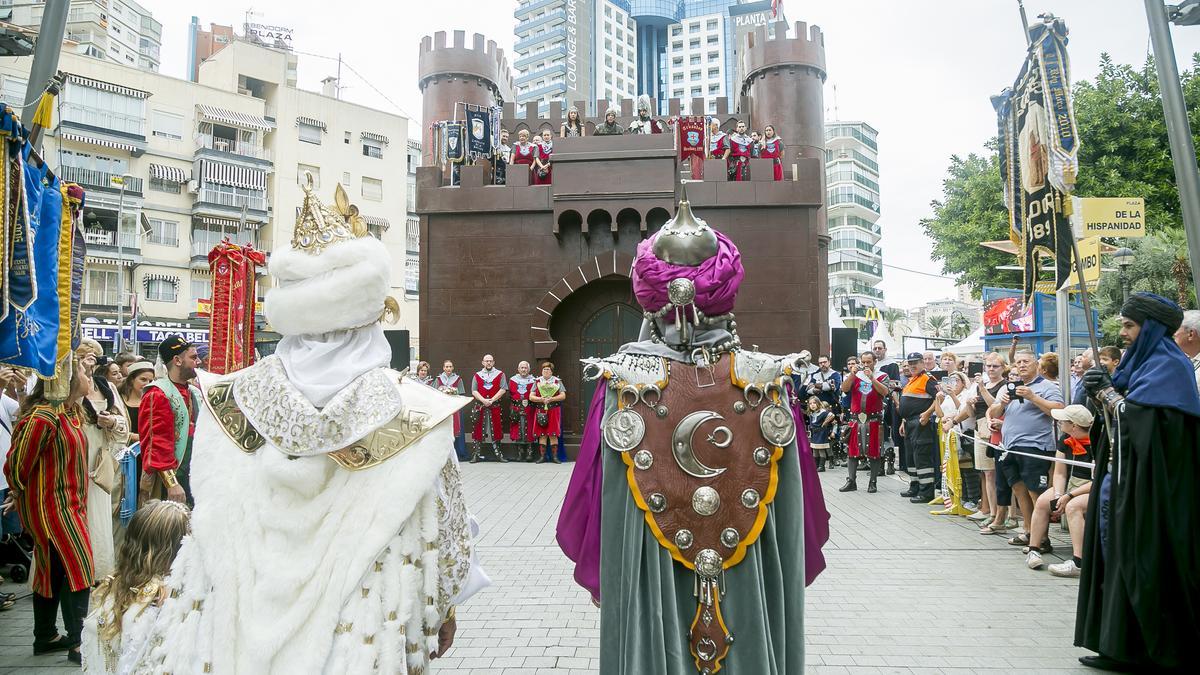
x: 891, y: 317
x: 936, y: 324
x: 1123, y: 152
x: 960, y: 328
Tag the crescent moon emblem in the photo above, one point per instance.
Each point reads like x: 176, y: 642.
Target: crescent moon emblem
x: 681, y: 445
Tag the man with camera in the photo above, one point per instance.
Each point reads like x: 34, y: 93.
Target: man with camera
x: 1028, y: 435
x: 917, y: 406
x: 826, y: 382
x: 867, y: 390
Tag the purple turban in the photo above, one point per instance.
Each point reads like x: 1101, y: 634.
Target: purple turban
x: 716, y: 279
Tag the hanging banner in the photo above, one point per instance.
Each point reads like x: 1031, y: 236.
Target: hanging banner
x: 231, y: 345
x: 1039, y: 154
x: 691, y: 138
x: 479, y: 131
x: 455, y: 143
x: 1108, y: 216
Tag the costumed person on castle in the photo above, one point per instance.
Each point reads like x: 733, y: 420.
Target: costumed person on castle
x: 330, y: 533
x: 524, y: 153
x: 718, y: 141
x: 644, y: 124
x: 739, y: 153
x: 488, y: 386
x: 520, y: 429
x: 772, y: 148
x: 503, y: 158
x: 868, y: 388
x: 609, y: 127
x: 448, y: 382
x: 1139, y: 594
x: 694, y: 515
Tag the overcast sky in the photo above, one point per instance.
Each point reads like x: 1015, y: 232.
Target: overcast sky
x: 919, y: 71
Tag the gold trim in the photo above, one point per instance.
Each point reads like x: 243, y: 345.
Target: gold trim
x: 220, y: 402
x: 723, y: 651
x: 384, y: 443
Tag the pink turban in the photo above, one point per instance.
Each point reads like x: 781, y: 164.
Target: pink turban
x: 716, y: 279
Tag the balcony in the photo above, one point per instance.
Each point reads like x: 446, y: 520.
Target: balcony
x: 104, y: 299
x: 548, y: 36
x: 856, y: 288
x: 100, y: 180
x: 549, y: 71
x: 521, y: 12
x: 121, y: 124
x: 539, y: 56
x: 552, y: 17
x: 854, y: 200
x: 229, y: 148
x: 857, y: 270
x: 94, y: 237
x: 152, y: 52
x: 847, y: 131
x: 232, y: 201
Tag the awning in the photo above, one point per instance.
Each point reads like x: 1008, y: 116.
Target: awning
x: 99, y: 142
x: 378, y: 222
x: 236, y: 119
x: 168, y: 173
x: 235, y: 176
x: 97, y: 260
x: 155, y: 276
x: 370, y: 136
x: 107, y: 86
x: 311, y: 122
x: 220, y: 222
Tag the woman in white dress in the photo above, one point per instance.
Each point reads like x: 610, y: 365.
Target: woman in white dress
x: 106, y: 430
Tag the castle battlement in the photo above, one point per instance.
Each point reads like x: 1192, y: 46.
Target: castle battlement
x: 482, y: 59
x: 803, y: 49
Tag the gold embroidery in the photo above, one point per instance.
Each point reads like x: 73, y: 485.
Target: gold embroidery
x: 370, y: 639
x: 384, y: 443
x: 344, y: 627
x: 366, y: 592
x: 219, y: 399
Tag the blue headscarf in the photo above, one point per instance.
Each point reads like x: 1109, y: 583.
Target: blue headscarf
x: 1155, y: 372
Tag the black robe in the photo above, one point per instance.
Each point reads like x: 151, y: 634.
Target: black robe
x: 1141, y: 603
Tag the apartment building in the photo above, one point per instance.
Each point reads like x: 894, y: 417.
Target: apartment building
x: 121, y: 31
x: 855, y: 257
x: 172, y: 167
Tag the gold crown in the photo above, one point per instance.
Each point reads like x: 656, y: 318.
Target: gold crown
x: 319, y: 226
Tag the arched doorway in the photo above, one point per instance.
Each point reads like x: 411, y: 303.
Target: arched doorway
x: 595, y: 320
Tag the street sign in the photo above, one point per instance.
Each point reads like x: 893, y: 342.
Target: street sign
x: 1089, y: 252
x: 116, y: 181
x: 1108, y: 217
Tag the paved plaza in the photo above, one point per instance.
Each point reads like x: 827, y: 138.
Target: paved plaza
x: 904, y: 592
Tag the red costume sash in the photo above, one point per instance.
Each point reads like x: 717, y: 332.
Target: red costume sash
x: 487, y: 390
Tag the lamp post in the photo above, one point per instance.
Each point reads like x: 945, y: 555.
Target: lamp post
x: 1124, y: 258
x: 119, y: 340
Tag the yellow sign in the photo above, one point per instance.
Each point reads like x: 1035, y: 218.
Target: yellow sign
x: 1108, y: 217
x: 1089, y: 252
x: 204, y: 307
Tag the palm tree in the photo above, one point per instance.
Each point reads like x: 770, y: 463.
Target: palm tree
x: 891, y: 317
x: 960, y: 329
x: 936, y: 324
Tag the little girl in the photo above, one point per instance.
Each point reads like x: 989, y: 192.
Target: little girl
x: 819, y: 426
x: 125, y: 603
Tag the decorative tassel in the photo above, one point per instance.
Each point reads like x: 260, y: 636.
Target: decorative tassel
x: 44, y: 115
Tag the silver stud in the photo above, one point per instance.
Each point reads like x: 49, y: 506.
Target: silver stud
x: 706, y: 501
x: 708, y: 563
x: 750, y: 498
x: 657, y: 502
x: 643, y: 459
x: 730, y: 537
x: 739, y: 407
x: 683, y: 539
x: 762, y: 456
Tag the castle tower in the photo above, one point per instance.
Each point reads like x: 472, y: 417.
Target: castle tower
x: 458, y: 73
x: 785, y: 78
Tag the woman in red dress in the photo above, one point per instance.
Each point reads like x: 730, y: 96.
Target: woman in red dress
x: 525, y: 153
x: 541, y: 163
x: 47, y: 474
x: 547, y: 395
x: 772, y: 148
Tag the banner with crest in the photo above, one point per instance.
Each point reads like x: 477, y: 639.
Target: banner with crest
x: 231, y: 339
x: 691, y: 138
x: 479, y: 130
x: 1039, y: 154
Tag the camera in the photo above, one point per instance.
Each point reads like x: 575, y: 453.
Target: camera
x: 1012, y: 392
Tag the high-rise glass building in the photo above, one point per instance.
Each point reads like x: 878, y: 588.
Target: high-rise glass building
x: 855, y: 258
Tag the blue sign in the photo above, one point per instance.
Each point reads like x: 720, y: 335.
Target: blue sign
x: 105, y: 333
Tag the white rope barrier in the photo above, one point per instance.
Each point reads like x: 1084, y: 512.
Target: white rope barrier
x: 1005, y: 451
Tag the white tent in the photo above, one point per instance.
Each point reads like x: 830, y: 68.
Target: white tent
x: 972, y: 345
x: 882, y: 333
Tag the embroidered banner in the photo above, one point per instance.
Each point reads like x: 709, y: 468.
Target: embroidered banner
x: 455, y: 148
x: 231, y: 339
x: 479, y: 131
x: 691, y: 138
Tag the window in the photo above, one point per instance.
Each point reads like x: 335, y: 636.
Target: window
x: 694, y: 60
x: 694, y: 43
x: 100, y: 287
x: 412, y: 276
x: 608, y: 10
x: 104, y: 109
x: 714, y: 72
x: 13, y: 89
x: 676, y: 31
x: 677, y: 46
x: 375, y: 231
x: 314, y: 170
x: 713, y: 39
x: 345, y: 178
x: 201, y: 288
x: 713, y: 56
x: 160, y: 290
x: 372, y: 189
x: 677, y: 61
x: 163, y: 232
x: 310, y: 133
x: 694, y: 26
x: 346, y: 138
x: 695, y: 75
x: 166, y: 125
x: 163, y: 185
x: 677, y: 77
x: 678, y: 93
x: 712, y: 24
x: 695, y: 91
x: 372, y: 149
x: 412, y: 196
x: 412, y: 236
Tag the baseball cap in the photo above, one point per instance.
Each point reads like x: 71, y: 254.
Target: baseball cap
x: 1077, y: 414
x: 915, y: 356
x: 171, y: 347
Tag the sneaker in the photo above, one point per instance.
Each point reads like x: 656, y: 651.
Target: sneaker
x: 1065, y: 569
x: 970, y: 506
x: 979, y: 516
x: 1034, y: 561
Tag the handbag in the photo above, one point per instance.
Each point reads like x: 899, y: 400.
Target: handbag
x: 543, y: 418
x: 104, y: 471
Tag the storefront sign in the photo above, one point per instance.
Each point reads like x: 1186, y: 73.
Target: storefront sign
x: 107, y: 333
x: 1108, y: 216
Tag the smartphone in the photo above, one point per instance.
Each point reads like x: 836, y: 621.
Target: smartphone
x: 938, y: 374
x: 975, y: 368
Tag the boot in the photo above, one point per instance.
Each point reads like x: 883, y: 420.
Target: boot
x: 477, y: 453
x: 821, y: 463
x: 891, y: 462
x: 542, y: 459
x: 554, y: 453
x: 914, y: 488
x: 924, y: 496
x: 499, y: 455
x: 876, y: 463
x: 529, y: 456
x: 851, y: 484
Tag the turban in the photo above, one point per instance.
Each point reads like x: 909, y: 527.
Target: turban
x: 1142, y: 306
x: 716, y: 279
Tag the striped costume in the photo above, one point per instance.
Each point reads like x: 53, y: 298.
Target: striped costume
x: 46, y: 465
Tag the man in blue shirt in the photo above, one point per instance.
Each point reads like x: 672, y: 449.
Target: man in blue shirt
x: 1028, y: 428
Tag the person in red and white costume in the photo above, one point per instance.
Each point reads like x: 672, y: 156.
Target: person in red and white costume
x: 520, y: 429
x: 740, y: 151
x: 542, y: 171
x: 166, y: 457
x: 488, y: 386
x: 868, y: 388
x: 772, y: 148
x: 547, y: 397
x: 524, y: 153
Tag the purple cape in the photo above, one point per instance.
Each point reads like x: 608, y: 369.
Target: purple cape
x: 579, y: 521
